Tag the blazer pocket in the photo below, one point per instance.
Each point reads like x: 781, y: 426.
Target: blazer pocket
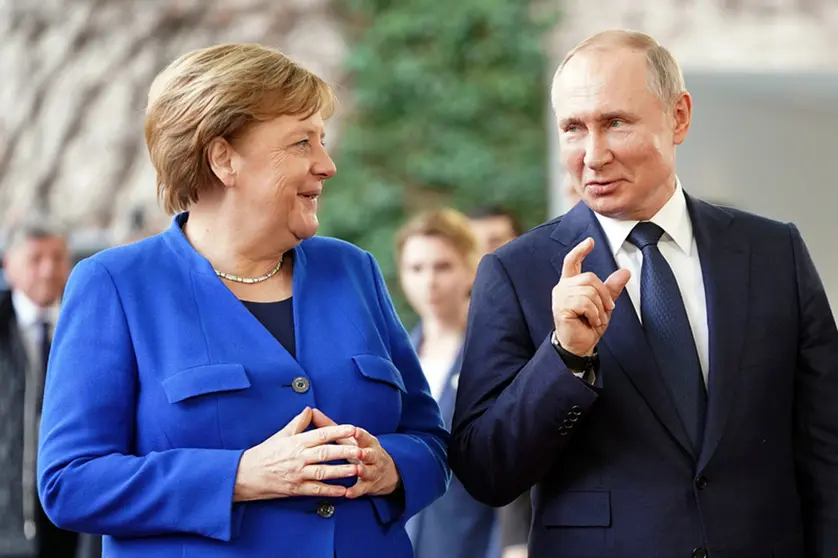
x: 578, y: 509
x: 380, y: 370
x: 376, y: 402
x: 203, y: 380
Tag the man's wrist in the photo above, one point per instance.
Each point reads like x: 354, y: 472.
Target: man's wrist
x: 583, y: 367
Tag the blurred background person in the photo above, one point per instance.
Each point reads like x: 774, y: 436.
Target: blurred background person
x: 493, y: 227
x: 186, y: 367
x: 437, y: 258
x: 36, y: 264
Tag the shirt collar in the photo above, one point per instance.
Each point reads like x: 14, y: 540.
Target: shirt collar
x: 28, y: 314
x: 673, y: 218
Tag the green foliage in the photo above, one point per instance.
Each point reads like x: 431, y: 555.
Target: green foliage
x: 447, y: 107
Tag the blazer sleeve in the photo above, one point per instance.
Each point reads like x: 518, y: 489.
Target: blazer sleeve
x: 514, y: 397
x: 816, y: 407
x: 89, y: 479
x: 419, y: 446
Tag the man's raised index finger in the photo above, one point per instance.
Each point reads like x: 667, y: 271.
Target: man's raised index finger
x: 573, y: 260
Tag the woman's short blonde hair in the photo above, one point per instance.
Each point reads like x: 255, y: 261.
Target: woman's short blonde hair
x: 218, y: 92
x: 449, y: 225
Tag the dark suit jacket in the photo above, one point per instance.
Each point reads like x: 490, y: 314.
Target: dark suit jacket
x: 160, y: 378
x: 51, y: 542
x: 456, y: 525
x: 613, y: 471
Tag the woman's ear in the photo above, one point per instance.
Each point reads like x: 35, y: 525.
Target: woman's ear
x: 220, y: 158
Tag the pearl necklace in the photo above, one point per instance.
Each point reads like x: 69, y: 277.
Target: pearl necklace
x: 251, y: 280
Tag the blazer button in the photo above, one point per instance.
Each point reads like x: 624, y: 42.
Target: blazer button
x: 576, y: 409
x: 701, y: 482
x: 325, y: 510
x: 700, y: 553
x: 300, y: 384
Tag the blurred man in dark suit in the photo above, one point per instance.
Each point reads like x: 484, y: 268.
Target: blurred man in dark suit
x: 493, y: 227
x: 36, y: 265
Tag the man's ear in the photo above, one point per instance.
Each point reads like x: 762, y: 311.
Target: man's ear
x: 682, y: 113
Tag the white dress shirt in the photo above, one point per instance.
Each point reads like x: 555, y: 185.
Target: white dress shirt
x: 677, y: 245
x: 436, y: 372
x: 30, y: 318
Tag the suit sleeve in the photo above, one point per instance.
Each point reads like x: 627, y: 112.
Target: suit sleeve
x: 419, y: 446
x: 816, y: 405
x: 515, y: 399
x: 89, y: 478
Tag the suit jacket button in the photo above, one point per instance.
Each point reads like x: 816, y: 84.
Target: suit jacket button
x: 325, y: 510
x: 300, y: 384
x: 700, y: 553
x: 576, y: 409
x: 701, y: 482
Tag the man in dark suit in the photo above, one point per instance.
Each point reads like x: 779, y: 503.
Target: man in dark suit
x: 663, y: 371
x: 36, y: 266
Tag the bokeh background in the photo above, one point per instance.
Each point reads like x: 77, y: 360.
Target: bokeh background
x: 442, y: 103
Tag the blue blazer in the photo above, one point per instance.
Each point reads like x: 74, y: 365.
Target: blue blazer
x: 159, y: 378
x: 456, y: 525
x: 613, y: 470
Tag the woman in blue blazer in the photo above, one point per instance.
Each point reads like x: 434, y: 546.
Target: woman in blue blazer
x: 236, y: 386
x: 437, y: 255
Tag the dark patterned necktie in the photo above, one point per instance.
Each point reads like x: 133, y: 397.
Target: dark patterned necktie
x: 668, y: 331
x: 46, y: 342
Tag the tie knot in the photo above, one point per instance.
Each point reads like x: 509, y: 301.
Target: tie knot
x: 645, y: 234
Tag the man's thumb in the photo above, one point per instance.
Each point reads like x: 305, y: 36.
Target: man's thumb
x: 616, y: 282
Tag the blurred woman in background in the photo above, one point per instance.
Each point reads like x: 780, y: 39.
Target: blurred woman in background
x: 437, y: 258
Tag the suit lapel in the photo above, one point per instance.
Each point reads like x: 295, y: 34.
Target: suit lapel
x: 624, y: 338
x: 724, y: 269
x: 10, y: 336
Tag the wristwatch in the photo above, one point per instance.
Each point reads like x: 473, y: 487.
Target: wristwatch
x: 583, y: 367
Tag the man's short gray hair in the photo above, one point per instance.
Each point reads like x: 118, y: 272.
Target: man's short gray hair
x: 665, y: 79
x: 34, y: 229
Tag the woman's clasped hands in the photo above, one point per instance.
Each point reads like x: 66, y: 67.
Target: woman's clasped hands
x: 295, y: 462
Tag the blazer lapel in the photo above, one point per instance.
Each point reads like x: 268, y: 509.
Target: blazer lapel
x: 228, y: 321
x: 724, y: 269
x: 624, y: 338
